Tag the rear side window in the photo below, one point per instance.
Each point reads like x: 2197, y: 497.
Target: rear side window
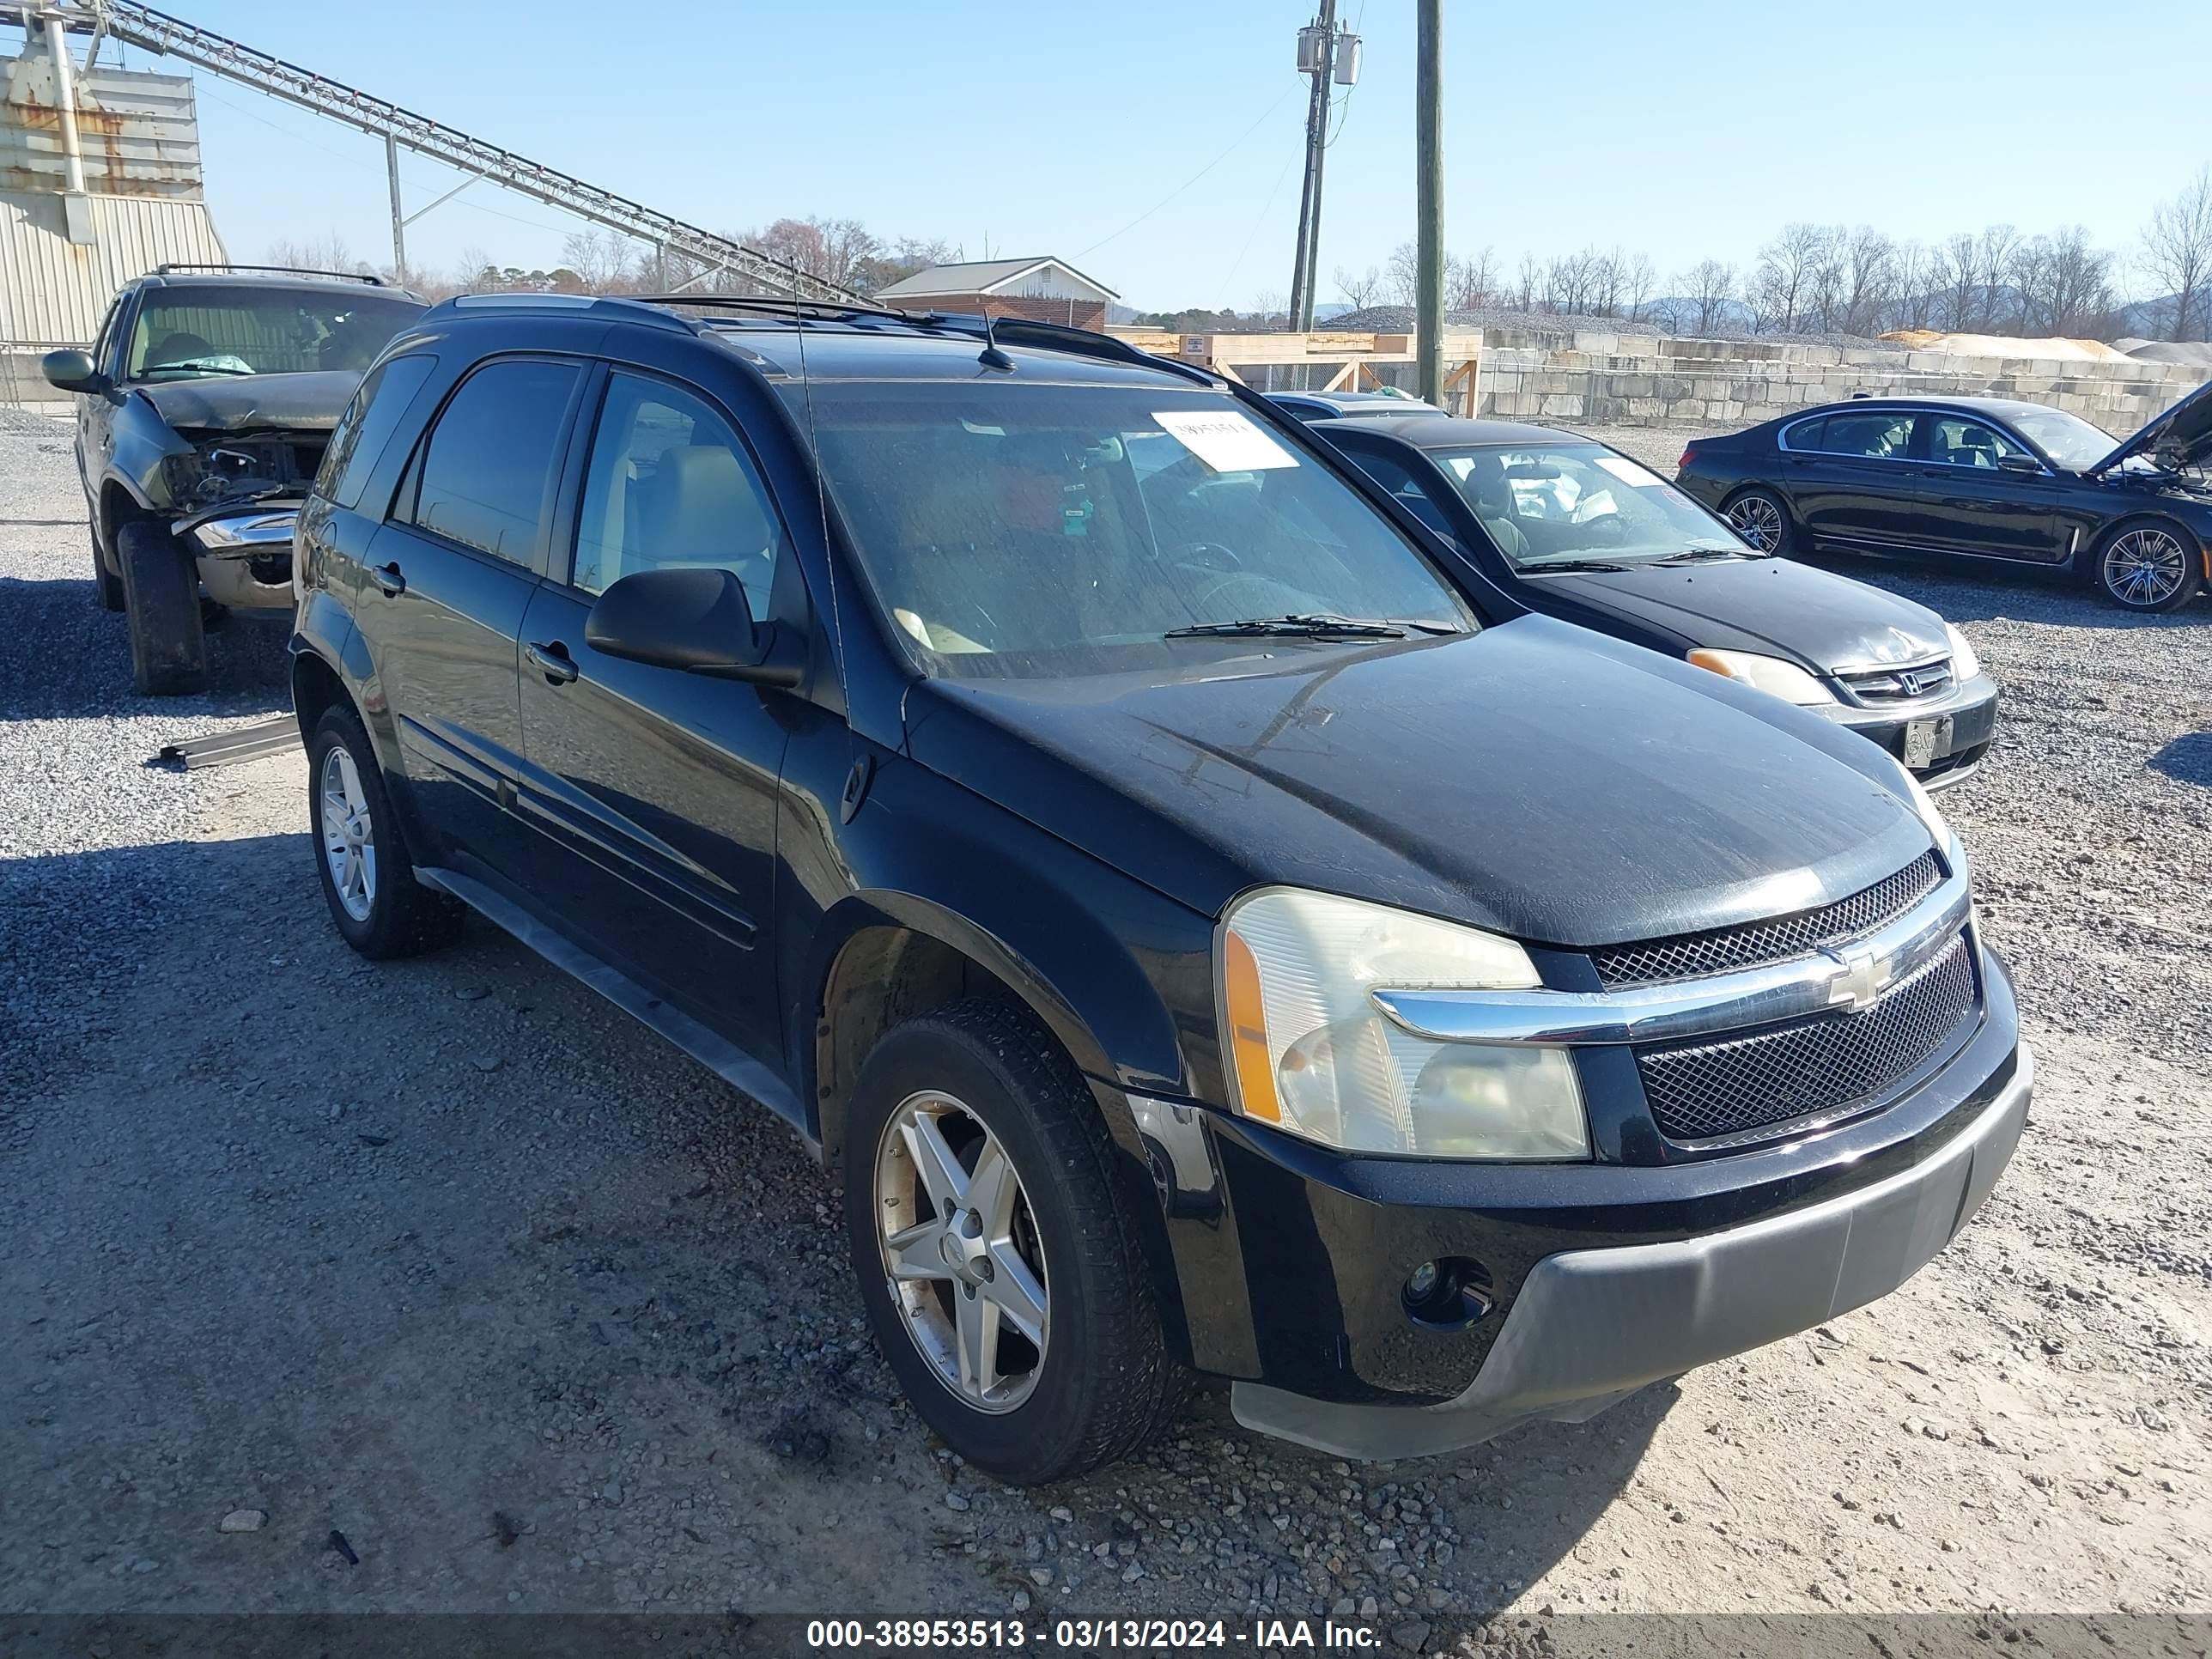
x: 366, y: 427
x: 485, y: 476
x: 1806, y: 435
x: 1881, y: 435
x: 1953, y: 442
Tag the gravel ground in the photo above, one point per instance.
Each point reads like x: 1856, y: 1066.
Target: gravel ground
x: 451, y: 1258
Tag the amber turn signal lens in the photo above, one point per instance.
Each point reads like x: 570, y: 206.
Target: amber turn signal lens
x: 1247, y: 1031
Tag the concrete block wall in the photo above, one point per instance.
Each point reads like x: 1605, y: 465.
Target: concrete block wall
x: 1626, y: 379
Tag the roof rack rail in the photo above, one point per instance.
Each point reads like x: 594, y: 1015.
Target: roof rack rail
x: 1083, y: 342
x: 776, y: 305
x: 368, y: 276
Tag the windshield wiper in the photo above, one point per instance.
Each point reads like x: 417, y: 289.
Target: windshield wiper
x: 1699, y: 555
x: 1539, y: 566
x: 1319, y: 627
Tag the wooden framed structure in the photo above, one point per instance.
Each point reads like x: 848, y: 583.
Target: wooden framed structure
x: 1350, y: 359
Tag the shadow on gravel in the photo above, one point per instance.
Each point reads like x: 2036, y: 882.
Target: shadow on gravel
x: 86, y: 667
x: 1961, y: 593
x: 2187, y: 759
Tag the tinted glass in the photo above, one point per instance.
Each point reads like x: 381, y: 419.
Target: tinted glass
x: 367, y: 426
x: 1010, y: 529
x: 1805, y: 434
x: 1882, y: 435
x: 1548, y: 504
x: 1395, y: 477
x: 670, y: 485
x: 1953, y: 441
x: 183, y: 334
x: 488, y: 472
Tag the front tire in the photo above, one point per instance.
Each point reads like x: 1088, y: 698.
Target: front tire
x: 368, y: 880
x: 2148, y: 566
x: 162, y: 609
x: 999, y: 1261
x: 1762, y: 519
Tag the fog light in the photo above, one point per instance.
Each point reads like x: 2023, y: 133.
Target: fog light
x: 1449, y: 1293
x: 1421, y: 1283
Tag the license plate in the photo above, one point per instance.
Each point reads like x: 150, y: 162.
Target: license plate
x: 1921, y: 737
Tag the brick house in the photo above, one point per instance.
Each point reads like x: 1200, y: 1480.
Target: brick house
x: 1044, y: 291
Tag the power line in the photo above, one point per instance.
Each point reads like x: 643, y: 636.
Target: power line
x: 1188, y: 182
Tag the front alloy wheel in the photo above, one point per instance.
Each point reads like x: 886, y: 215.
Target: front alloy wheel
x: 960, y: 1251
x: 1757, y: 517
x: 2148, y: 567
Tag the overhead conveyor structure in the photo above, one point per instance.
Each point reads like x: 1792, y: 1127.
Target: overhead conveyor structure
x: 713, y: 260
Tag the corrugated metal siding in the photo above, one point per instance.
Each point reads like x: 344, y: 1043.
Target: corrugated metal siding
x: 53, y: 293
x: 138, y: 133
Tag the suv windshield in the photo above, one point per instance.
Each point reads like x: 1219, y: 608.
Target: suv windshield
x: 1047, y: 531
x: 2066, y: 440
x: 185, y: 333
x: 1580, y: 503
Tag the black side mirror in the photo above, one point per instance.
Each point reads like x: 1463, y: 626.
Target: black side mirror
x: 695, y: 619
x: 72, y: 371
x: 2019, y: 463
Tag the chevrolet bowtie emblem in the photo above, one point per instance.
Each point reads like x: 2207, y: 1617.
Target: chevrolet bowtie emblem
x: 1863, y: 974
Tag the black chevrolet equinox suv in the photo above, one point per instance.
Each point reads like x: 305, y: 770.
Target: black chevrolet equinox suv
x: 1209, y: 933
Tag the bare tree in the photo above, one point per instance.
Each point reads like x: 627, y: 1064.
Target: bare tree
x: 1958, y: 275
x: 1781, y: 282
x: 326, y: 252
x: 607, y: 261
x: 1867, y: 261
x: 1402, y: 282
x: 1997, y: 302
x: 2177, y: 254
x: 2065, y: 285
x: 1709, y: 286
x: 1528, y: 283
x: 1912, y: 297
x: 1471, y: 282
x: 1637, y: 282
x: 1360, y: 289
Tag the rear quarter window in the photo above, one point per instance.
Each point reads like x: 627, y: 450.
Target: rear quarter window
x: 367, y: 426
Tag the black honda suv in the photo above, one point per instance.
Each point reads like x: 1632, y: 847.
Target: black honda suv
x: 1206, y: 937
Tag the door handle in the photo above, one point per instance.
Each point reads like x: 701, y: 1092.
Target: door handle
x: 389, y: 580
x: 553, y: 661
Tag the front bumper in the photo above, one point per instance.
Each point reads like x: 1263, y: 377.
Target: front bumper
x: 1591, y: 1326
x: 244, y: 555
x: 1965, y: 719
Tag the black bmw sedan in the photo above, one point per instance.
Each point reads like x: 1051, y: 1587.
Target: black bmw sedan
x: 1985, y: 478
x: 1580, y: 532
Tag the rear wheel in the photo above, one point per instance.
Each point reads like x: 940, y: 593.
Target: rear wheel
x: 2148, y: 567
x: 368, y: 881
x: 105, y: 583
x: 161, y: 606
x: 999, y: 1262
x: 1761, y: 518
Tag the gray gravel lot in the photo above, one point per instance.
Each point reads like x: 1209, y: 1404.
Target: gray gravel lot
x: 449, y: 1257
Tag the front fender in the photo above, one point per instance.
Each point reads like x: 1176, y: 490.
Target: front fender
x: 141, y: 441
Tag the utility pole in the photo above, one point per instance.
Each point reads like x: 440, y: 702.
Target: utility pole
x: 1316, y: 57
x: 398, y: 224
x: 1428, y: 188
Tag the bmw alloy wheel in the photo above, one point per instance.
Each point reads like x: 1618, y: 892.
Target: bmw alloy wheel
x: 349, y: 835
x: 961, y: 1252
x: 2146, y: 567
x: 1757, y: 521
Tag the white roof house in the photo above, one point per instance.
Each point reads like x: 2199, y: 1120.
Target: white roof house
x: 1040, y: 278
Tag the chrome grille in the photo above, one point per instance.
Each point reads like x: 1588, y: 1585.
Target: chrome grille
x: 1907, y: 683
x: 1705, y: 1091
x: 1722, y: 950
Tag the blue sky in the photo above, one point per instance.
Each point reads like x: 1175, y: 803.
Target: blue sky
x: 1681, y: 129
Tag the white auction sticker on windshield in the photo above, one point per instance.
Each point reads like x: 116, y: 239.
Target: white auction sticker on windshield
x: 1227, y: 441
x: 1629, y: 472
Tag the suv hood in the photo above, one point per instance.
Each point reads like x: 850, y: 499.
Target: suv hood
x: 2181, y: 437
x: 1535, y: 779
x: 243, y: 403
x: 1815, y: 618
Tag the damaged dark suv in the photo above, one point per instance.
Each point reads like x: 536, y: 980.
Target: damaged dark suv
x: 1207, y: 932
x: 202, y: 409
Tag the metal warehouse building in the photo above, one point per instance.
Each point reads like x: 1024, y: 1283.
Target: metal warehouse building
x: 99, y: 182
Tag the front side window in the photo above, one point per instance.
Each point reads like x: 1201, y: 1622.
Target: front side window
x: 189, y: 333
x: 1883, y: 435
x: 670, y: 485
x: 487, y: 469
x: 1955, y: 441
x: 1045, y: 530
x: 1575, y: 503
x: 2068, y: 439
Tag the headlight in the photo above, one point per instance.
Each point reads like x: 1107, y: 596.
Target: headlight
x: 1785, y: 680
x: 1965, y: 665
x: 1310, y: 1051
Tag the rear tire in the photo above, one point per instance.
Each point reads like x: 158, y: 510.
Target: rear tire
x: 105, y: 583
x: 1762, y: 519
x: 367, y: 878
x: 1102, y: 1381
x: 2148, y: 566
x: 161, y: 607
